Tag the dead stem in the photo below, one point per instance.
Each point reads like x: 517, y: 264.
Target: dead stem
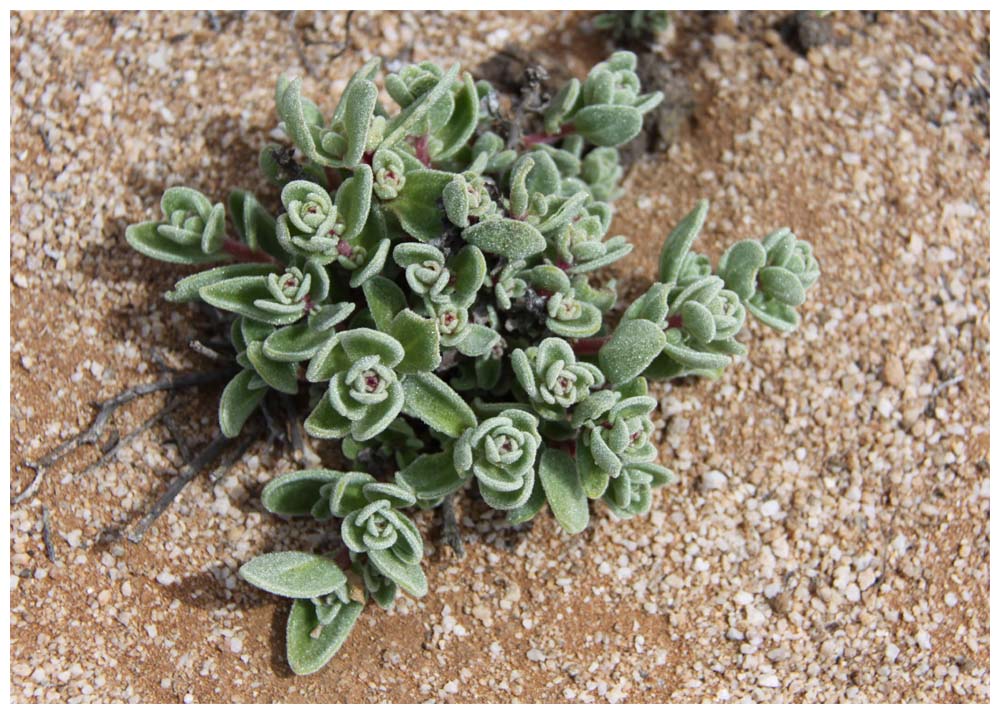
x: 113, y: 449
x: 450, y: 533
x: 50, y: 549
x: 191, y: 469
x: 100, y: 423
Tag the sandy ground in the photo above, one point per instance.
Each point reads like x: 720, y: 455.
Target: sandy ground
x: 828, y: 539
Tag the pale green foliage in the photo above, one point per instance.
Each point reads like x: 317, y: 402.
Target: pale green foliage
x: 629, y: 25
x: 434, y: 294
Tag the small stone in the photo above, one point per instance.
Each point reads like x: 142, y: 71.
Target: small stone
x: 923, y: 79
x: 779, y: 654
x: 893, y: 372
x: 536, y: 655
x: 769, y: 680
x: 713, y: 481
x: 885, y: 407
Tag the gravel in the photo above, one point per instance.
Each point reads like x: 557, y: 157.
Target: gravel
x: 828, y: 537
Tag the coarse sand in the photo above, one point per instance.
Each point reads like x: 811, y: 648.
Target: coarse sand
x: 828, y: 538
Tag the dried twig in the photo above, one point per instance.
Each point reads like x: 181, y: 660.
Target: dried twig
x: 50, y: 549
x: 450, y: 534
x: 113, y: 449
x: 183, y: 478
x: 302, y: 42
x: 206, y: 351
x: 294, y: 427
x: 957, y: 379
x: 175, y: 436
x: 105, y: 409
x: 235, y: 454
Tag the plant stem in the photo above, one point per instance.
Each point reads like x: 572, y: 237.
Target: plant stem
x: 244, y: 253
x: 530, y: 140
x: 589, y: 345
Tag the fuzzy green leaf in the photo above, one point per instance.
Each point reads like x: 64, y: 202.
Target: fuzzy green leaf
x: 278, y: 375
x: 354, y: 200
x: 293, y: 574
x: 530, y: 508
x: 385, y: 299
x: 593, y: 478
x: 241, y: 295
x: 359, y: 99
x: 456, y: 133
x: 783, y: 285
x: 238, y: 402
x: 478, y: 340
x: 307, y: 654
x: 775, y: 315
x: 295, y: 493
x: 431, y: 476
x: 187, y: 289
x: 739, y: 265
x: 294, y: 343
x: 608, y: 125
x: 408, y: 576
x: 632, y: 347
x: 505, y: 237
x: 409, y: 118
x: 254, y: 224
x: 419, y: 338
x: 326, y: 423
x: 145, y: 238
x: 416, y: 207
x: 436, y: 404
x: 362, y: 342
x: 563, y: 490
x: 678, y: 243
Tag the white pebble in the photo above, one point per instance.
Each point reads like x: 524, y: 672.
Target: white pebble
x: 536, y: 655
x: 713, y: 481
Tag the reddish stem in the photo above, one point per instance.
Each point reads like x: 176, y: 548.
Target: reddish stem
x: 420, y: 149
x: 244, y: 253
x: 343, y: 558
x: 568, y: 446
x: 589, y: 345
x: 530, y: 140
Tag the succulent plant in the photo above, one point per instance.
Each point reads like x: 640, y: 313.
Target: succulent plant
x: 632, y: 25
x: 433, y: 296
x: 501, y: 453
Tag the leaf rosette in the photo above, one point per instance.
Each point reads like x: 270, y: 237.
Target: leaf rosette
x: 551, y: 377
x: 500, y: 453
x: 365, y: 393
x: 193, y: 230
x: 771, y: 277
